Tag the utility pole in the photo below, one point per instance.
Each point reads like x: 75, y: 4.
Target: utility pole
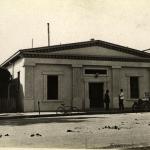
x: 32, y: 42
x: 48, y: 34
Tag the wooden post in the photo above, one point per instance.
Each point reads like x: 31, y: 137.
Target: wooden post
x: 39, y: 107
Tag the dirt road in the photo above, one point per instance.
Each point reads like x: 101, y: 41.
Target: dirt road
x: 86, y: 131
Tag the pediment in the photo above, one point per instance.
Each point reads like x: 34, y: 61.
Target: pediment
x: 95, y: 51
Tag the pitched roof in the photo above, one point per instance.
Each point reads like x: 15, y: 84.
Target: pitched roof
x: 46, y: 51
x: 91, y: 43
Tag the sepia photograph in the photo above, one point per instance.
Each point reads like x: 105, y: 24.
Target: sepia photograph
x: 75, y: 74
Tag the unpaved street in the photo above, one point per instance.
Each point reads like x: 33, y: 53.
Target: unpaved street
x: 85, y: 131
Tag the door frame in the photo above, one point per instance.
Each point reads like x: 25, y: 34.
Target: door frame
x: 86, y: 89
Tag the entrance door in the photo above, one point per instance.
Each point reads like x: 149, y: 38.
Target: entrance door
x: 96, y: 95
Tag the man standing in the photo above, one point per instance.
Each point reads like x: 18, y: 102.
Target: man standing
x: 107, y: 99
x: 121, y: 99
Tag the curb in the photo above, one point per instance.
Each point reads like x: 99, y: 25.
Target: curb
x: 38, y: 116
x: 57, y: 115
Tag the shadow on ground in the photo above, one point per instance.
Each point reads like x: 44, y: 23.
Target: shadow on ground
x: 29, y: 121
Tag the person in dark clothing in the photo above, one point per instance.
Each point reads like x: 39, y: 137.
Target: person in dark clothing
x: 107, y: 99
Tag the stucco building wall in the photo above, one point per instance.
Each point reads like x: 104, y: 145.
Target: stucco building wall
x: 64, y: 85
x: 143, y: 75
x: 73, y: 83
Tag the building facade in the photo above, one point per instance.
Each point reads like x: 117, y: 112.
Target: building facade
x: 78, y: 74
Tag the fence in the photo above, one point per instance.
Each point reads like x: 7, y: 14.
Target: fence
x: 9, y: 103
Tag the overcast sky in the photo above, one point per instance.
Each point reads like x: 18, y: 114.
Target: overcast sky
x: 124, y: 22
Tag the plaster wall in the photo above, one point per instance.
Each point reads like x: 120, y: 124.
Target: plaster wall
x: 144, y: 83
x: 39, y: 88
x: 76, y: 91
x: 122, y: 81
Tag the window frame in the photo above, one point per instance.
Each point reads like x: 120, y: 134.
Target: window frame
x: 45, y: 76
x: 91, y: 75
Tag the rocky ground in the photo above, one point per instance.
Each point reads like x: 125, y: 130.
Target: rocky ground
x: 108, y: 131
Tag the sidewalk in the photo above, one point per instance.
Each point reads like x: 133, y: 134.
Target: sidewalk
x: 4, y: 116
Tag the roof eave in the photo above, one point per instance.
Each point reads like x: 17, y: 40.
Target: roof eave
x: 84, y: 57
x: 11, y: 59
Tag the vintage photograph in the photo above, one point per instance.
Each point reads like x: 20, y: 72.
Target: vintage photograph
x: 75, y: 74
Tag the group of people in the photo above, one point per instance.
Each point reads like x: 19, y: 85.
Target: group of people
x: 121, y: 100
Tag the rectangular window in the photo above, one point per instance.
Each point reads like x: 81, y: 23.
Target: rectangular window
x: 96, y: 71
x: 52, y: 87
x: 134, y: 87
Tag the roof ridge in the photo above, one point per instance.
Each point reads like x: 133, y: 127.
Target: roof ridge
x: 79, y: 43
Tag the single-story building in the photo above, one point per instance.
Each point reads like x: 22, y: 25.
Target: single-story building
x: 78, y: 74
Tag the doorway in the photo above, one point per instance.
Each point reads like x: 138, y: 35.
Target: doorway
x: 96, y: 94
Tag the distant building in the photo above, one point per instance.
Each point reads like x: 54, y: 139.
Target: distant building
x: 78, y: 74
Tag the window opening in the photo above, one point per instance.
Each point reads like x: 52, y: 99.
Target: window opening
x: 134, y: 87
x: 52, y: 87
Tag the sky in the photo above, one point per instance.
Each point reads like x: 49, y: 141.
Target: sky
x: 123, y: 22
